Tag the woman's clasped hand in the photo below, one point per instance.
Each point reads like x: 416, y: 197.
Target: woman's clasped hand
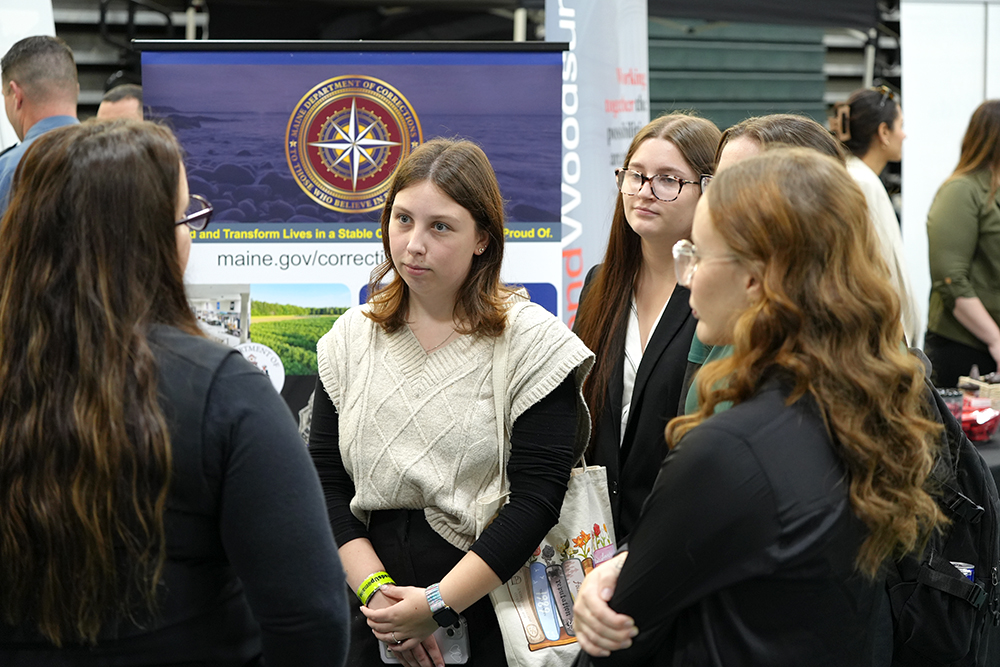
x: 599, y: 628
x: 399, y: 617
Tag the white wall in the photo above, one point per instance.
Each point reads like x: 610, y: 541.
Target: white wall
x: 993, y: 50
x: 951, y: 63
x: 20, y: 19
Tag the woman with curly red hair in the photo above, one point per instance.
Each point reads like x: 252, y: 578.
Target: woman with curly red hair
x: 761, y: 541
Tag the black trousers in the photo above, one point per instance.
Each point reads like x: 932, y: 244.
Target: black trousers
x: 951, y: 359
x: 414, y: 555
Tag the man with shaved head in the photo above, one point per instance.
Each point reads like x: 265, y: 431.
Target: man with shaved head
x: 40, y: 90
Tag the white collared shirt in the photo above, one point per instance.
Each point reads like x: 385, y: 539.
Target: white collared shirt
x: 633, y: 357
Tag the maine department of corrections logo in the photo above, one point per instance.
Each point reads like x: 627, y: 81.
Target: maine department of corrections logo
x: 345, y: 138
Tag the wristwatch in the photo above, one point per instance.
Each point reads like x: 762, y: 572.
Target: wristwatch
x: 442, y: 613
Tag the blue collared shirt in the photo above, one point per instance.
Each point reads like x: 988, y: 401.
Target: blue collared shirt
x: 10, y: 159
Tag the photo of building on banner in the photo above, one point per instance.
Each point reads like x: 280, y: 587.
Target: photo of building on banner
x: 295, y: 148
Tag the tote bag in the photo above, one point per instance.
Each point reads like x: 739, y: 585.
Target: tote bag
x: 535, y: 607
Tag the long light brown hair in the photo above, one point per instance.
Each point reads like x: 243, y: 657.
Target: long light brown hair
x: 88, y: 262
x: 981, y: 144
x: 462, y: 171
x: 602, y: 319
x: 784, y: 128
x: 828, y: 320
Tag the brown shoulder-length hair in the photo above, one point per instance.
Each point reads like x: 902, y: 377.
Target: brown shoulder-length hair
x: 784, y: 128
x: 827, y: 319
x: 462, y: 171
x: 601, y: 321
x: 981, y: 144
x: 88, y: 262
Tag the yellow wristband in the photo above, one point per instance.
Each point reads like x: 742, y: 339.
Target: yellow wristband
x: 371, y: 584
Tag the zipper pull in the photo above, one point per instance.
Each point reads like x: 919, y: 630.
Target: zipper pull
x: 995, y: 576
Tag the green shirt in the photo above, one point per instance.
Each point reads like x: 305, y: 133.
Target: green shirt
x: 702, y: 354
x: 963, y: 239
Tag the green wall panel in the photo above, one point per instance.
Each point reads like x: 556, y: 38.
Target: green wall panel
x: 729, y: 86
x: 697, y: 29
x: 725, y: 115
x: 730, y: 71
x: 674, y: 54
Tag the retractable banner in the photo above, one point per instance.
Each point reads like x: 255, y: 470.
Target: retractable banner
x: 605, y: 101
x: 295, y: 145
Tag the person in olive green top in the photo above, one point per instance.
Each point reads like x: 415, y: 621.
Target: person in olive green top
x: 963, y: 234
x: 746, y: 139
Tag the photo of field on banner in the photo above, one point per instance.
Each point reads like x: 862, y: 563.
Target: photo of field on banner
x: 535, y: 607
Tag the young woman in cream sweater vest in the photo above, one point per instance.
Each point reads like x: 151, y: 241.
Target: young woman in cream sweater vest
x: 404, y: 431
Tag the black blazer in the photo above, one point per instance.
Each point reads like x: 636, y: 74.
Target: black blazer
x: 659, y: 384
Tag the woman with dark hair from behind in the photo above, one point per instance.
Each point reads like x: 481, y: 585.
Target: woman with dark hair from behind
x: 634, y: 315
x: 817, y: 471
x: 156, y: 504
x: 870, y: 124
x: 963, y: 234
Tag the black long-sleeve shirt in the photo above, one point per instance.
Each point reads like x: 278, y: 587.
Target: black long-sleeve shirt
x: 541, y: 456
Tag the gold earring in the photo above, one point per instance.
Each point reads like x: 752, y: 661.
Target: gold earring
x: 482, y: 250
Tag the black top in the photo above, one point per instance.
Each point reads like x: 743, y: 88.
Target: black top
x: 252, y: 570
x: 744, y: 554
x: 541, y: 456
x: 632, y: 463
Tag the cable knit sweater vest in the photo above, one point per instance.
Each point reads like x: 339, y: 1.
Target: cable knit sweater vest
x: 418, y: 430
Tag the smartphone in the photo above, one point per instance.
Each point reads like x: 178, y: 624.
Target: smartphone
x: 453, y: 642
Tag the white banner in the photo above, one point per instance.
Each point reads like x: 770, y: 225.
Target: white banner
x: 605, y: 101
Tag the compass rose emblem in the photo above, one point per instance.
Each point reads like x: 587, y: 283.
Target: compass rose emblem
x: 353, y: 144
x: 345, y: 138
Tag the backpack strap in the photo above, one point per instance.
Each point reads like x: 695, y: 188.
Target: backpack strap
x: 961, y: 505
x: 944, y: 472
x: 946, y: 465
x: 940, y: 574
